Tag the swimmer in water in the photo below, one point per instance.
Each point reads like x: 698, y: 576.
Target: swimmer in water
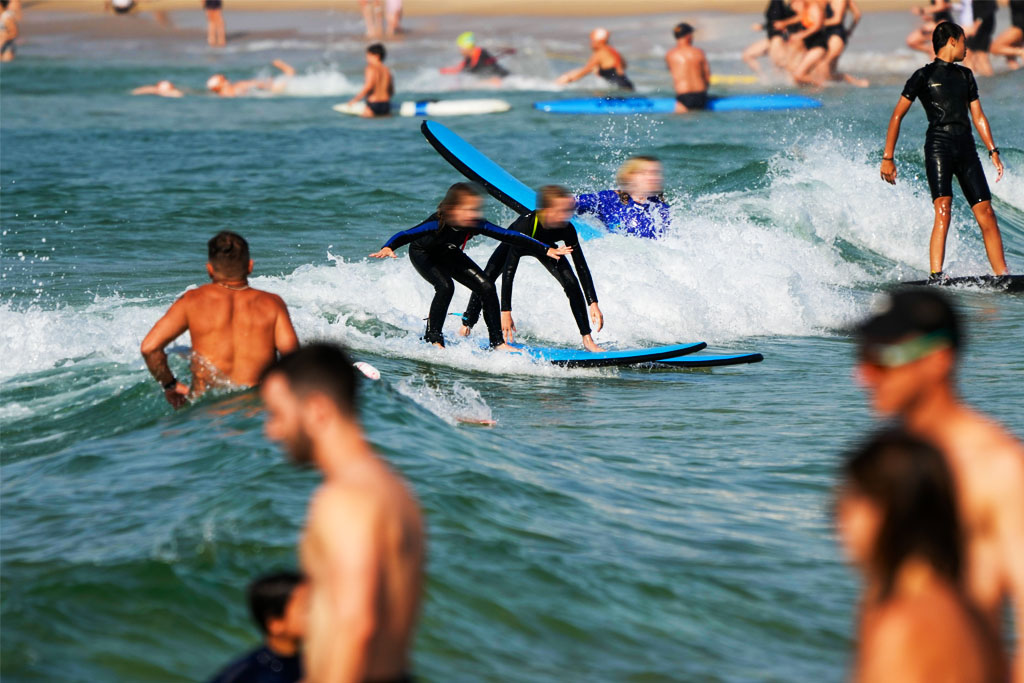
x: 436, y: 250
x: 549, y: 224
x: 979, y: 36
x: 897, y: 520
x: 931, y: 16
x: 949, y: 95
x: 690, y: 71
x: 476, y: 60
x: 637, y: 208
x: 379, y: 86
x: 1010, y: 43
x: 219, y: 85
x: 236, y: 331
x: 774, y: 44
x: 605, y: 61
x: 161, y: 89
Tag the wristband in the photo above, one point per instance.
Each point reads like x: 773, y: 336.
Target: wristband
x: 170, y: 384
x: 994, y: 150
x: 887, y: 159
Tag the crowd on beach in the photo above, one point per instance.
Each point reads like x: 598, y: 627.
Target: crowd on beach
x: 930, y: 508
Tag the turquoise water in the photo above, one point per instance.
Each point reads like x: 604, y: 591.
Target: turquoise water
x: 616, y: 524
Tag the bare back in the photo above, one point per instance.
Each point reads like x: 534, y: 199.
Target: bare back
x: 608, y: 58
x: 363, y: 551
x: 379, y: 78
x: 689, y: 68
x: 235, y: 334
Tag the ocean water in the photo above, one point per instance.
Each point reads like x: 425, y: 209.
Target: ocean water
x: 616, y: 524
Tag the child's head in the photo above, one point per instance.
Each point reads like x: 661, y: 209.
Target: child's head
x: 278, y: 606
x: 377, y: 50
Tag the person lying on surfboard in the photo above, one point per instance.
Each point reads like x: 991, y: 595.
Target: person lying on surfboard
x: 436, y: 251
x: 637, y: 208
x: 475, y: 60
x: 549, y: 224
x: 605, y: 61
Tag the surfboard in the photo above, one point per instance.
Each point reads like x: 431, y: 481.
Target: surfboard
x: 999, y: 283
x: 434, y: 107
x: 732, y: 79
x: 709, y: 361
x: 499, y: 183
x: 580, y: 358
x: 667, y: 105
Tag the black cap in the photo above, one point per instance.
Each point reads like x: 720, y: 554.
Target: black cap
x: 682, y: 30
x: 907, y: 313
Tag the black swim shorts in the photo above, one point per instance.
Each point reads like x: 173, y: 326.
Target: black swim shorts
x: 379, y: 108
x: 949, y: 154
x: 693, y: 100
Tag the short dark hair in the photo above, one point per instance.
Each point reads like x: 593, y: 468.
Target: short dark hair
x: 269, y: 596
x: 378, y: 49
x: 547, y: 195
x: 229, y: 254
x: 913, y: 311
x: 910, y: 481
x: 943, y: 32
x: 320, y: 367
x: 682, y: 30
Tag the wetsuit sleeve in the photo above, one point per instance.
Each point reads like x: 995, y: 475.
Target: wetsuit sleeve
x: 400, y: 239
x: 582, y: 269
x: 972, y: 86
x: 913, y: 86
x: 507, y: 277
x: 516, y: 239
x: 586, y: 203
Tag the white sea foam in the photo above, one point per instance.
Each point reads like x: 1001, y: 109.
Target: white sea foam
x: 459, y: 403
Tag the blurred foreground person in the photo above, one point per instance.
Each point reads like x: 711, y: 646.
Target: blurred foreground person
x: 909, y: 351
x: 363, y: 546
x: 897, y: 520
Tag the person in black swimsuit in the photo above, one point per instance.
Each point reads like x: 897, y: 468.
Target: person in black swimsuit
x: 774, y: 44
x: 549, y: 224
x: 436, y: 251
x: 949, y: 95
x: 979, y: 36
x: 215, y: 31
x: 1010, y: 43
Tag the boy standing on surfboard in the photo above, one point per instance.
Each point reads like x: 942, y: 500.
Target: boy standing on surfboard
x: 949, y: 95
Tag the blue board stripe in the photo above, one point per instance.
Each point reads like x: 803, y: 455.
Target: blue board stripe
x: 667, y: 105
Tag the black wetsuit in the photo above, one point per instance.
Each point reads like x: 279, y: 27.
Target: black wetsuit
x: 1017, y: 13
x: 615, y: 78
x: 946, y: 91
x: 778, y: 10
x: 485, y: 65
x: 985, y: 10
x: 436, y: 252
x: 262, y: 665
x: 505, y: 261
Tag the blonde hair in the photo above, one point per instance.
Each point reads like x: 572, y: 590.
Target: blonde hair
x: 628, y: 168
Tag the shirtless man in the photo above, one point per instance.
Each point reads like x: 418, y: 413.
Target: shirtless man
x: 605, y: 61
x: 236, y: 330
x: 219, y: 85
x: 690, y: 71
x: 379, y: 86
x: 908, y: 357
x: 363, y: 547
x: 161, y: 89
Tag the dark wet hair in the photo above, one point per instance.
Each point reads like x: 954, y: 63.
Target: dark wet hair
x: 320, y: 367
x: 454, y: 196
x: 378, y: 49
x: 910, y: 312
x: 910, y: 481
x: 547, y: 195
x: 682, y: 30
x: 943, y: 32
x: 229, y: 254
x: 4, y: 3
x: 269, y: 596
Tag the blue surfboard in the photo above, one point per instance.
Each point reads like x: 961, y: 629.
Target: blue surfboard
x: 580, y: 358
x: 710, y: 361
x: 499, y: 183
x: 667, y: 105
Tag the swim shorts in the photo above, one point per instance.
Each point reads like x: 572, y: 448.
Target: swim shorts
x: 949, y: 154
x: 693, y: 100
x: 1017, y: 13
x: 379, y: 108
x: 982, y: 40
x: 212, y: 4
x: 818, y: 39
x: 837, y: 30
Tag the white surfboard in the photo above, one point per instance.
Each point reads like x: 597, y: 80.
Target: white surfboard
x: 454, y: 107
x: 356, y: 109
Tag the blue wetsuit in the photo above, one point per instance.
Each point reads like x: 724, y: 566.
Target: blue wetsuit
x: 262, y: 665
x: 626, y: 216
x: 435, y: 250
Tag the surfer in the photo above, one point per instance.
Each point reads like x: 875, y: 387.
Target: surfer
x: 475, y: 60
x: 379, y: 86
x: 161, y: 89
x: 691, y: 73
x: 774, y: 44
x: 278, y: 604
x: 949, y: 95
x: 216, y: 34
x: 236, y: 330
x: 436, y: 251
x: 908, y: 356
x: 219, y: 85
x: 931, y: 16
x: 638, y: 207
x: 549, y: 224
x: 363, y: 547
x: 979, y: 36
x: 1010, y: 43
x: 605, y: 61
x: 897, y: 520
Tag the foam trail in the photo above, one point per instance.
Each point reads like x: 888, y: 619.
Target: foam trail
x: 459, y: 404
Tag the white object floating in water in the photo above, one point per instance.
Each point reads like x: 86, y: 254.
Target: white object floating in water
x: 367, y: 369
x: 435, y: 107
